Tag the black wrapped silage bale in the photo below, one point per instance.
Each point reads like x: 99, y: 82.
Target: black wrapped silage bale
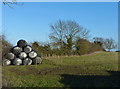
x: 10, y: 56
x: 32, y: 54
x: 27, y: 49
x: 16, y: 50
x: 37, y: 60
x: 17, y: 61
x: 21, y: 43
x: 22, y: 55
x: 27, y: 61
x: 6, y: 62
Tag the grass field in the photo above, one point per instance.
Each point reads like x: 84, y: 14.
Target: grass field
x: 96, y: 70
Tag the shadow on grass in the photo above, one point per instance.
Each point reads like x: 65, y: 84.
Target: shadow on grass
x: 111, y: 80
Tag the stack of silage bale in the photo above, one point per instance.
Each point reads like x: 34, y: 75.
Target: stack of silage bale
x: 22, y: 54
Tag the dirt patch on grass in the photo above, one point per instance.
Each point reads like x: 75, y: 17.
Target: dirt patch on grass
x: 60, y: 70
x: 77, y: 70
x: 18, y: 71
x: 56, y: 70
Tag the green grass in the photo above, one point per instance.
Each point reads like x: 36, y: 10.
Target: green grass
x: 96, y: 70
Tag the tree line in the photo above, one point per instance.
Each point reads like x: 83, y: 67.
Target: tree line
x: 68, y: 38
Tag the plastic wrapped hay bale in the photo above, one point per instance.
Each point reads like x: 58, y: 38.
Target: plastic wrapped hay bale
x: 17, y: 61
x: 27, y: 61
x: 10, y: 56
x: 21, y: 43
x: 6, y: 62
x: 22, y: 55
x: 16, y: 50
x: 32, y: 54
x: 37, y: 60
x: 28, y: 49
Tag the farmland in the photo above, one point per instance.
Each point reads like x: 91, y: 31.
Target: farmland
x: 95, y: 70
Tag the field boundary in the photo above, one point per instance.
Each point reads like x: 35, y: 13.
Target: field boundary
x: 74, y: 55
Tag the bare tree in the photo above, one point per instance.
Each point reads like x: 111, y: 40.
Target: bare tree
x: 64, y: 33
x: 110, y: 44
x: 57, y: 33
